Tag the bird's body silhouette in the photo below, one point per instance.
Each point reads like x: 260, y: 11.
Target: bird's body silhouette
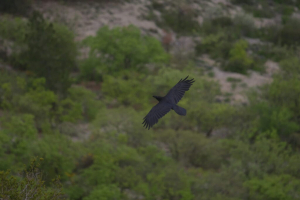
x: 168, y: 102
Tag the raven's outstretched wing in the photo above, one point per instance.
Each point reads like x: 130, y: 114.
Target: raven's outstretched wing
x: 157, y: 112
x: 177, y: 92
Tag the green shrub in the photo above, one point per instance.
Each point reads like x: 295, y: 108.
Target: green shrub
x: 15, y: 140
x: 58, y: 152
x: 90, y: 106
x: 284, y: 90
x: 120, y: 49
x: 29, y: 186
x: 275, y: 118
x: 265, y: 155
x: 13, y: 29
x: 33, y: 98
x: 239, y: 61
x: 279, y: 187
x: 217, y: 45
x: 122, y: 90
x: 51, y: 52
x: 192, y: 149
x: 105, y: 192
x: 123, y: 124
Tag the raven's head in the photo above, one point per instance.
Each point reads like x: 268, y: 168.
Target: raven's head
x: 158, y: 98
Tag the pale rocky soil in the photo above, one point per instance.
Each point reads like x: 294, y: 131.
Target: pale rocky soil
x: 86, y: 18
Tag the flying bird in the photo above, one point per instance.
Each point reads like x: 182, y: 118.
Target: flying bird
x: 168, y: 102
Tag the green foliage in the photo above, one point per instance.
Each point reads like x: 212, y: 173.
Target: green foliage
x: 15, y: 137
x: 33, y: 98
x: 280, y: 187
x: 120, y: 49
x: 171, y: 183
x: 217, y: 45
x: 239, y: 60
x: 29, y: 186
x: 123, y: 120
x: 284, y: 90
x: 265, y: 156
x: 59, y: 154
x: 105, y: 192
x: 122, y: 90
x: 51, y: 52
x: 192, y: 149
x: 13, y: 29
x: 217, y: 151
x: 274, y: 118
x: 90, y: 106
x: 212, y: 116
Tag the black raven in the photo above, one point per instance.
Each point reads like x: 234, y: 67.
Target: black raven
x: 168, y: 102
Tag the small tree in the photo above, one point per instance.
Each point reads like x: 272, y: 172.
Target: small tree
x: 51, y: 52
x: 239, y: 61
x: 120, y: 49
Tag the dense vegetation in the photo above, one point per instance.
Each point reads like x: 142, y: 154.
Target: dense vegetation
x: 61, y: 140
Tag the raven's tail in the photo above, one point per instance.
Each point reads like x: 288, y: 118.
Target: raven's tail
x: 179, y: 110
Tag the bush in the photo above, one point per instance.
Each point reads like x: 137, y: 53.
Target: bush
x: 217, y: 45
x: 58, y: 152
x: 15, y: 140
x: 51, y: 52
x: 33, y: 98
x: 120, y: 49
x: 192, y: 149
x: 105, y: 192
x: 284, y: 90
x: 90, y: 106
x: 239, y: 61
x: 13, y: 29
x: 122, y: 90
x: 29, y: 186
x: 275, y: 118
x: 279, y: 187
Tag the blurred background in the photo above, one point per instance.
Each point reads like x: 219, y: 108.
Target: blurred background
x: 77, y: 78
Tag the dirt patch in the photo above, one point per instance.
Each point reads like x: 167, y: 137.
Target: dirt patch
x: 234, y: 84
x: 86, y: 18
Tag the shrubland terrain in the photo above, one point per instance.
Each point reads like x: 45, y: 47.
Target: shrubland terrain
x: 77, y: 78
